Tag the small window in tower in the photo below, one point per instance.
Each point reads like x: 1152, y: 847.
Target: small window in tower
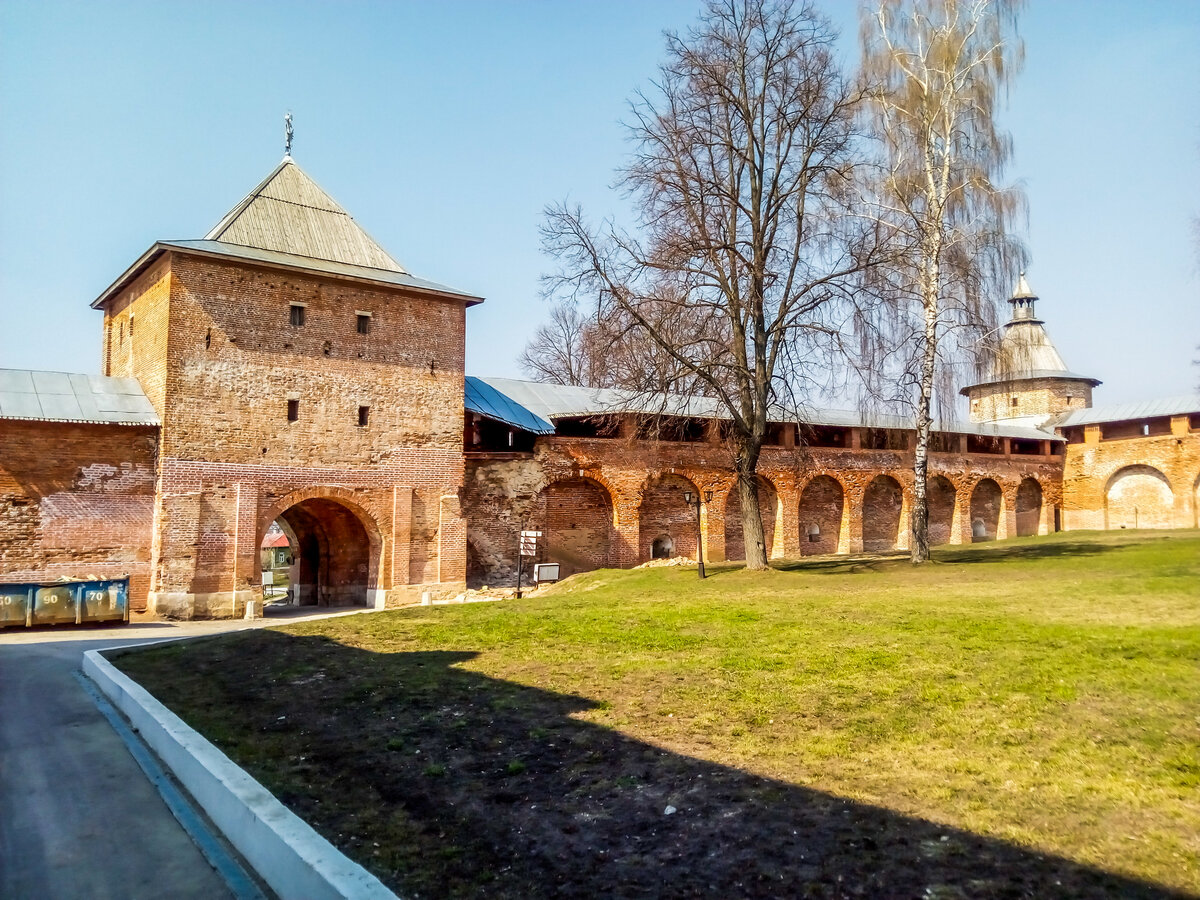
x: 293, y: 410
x: 364, y: 416
x: 1069, y: 399
x: 1014, y: 401
x: 364, y: 322
x: 297, y: 314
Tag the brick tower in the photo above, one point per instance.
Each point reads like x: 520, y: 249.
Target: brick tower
x: 302, y: 376
x: 1028, y: 380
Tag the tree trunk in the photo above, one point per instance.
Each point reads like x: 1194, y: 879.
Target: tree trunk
x: 919, y: 517
x: 752, y: 526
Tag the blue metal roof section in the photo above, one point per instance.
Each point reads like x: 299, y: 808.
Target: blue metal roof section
x: 486, y: 400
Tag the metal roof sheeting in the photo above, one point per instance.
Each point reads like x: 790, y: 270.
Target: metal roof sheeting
x: 1145, y: 409
x: 290, y: 213
x: 63, y: 397
x: 546, y: 402
x: 282, y: 260
x: 288, y: 221
x: 488, y: 401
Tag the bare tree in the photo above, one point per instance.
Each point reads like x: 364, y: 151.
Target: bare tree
x: 934, y: 70
x: 614, y: 352
x: 743, y: 175
x: 564, y: 350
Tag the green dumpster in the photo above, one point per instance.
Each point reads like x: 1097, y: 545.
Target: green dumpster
x: 56, y: 605
x: 14, y: 605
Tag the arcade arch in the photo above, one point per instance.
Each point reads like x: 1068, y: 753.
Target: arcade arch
x: 1029, y: 507
x: 578, y: 525
x: 883, y: 504
x: 822, y: 508
x: 940, y: 497
x: 1138, y: 497
x: 987, y: 502
x: 665, y: 514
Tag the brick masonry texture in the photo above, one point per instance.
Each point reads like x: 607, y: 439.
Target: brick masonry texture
x: 1118, y: 477
x: 857, y: 500
x: 215, y: 343
x: 352, y: 440
x: 76, y: 501
x: 1029, y: 397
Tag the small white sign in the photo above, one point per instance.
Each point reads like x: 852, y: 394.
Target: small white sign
x: 529, y: 542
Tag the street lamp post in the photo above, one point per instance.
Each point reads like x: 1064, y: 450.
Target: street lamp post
x: 687, y: 498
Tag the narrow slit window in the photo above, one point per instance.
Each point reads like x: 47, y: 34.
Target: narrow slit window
x: 293, y: 410
x: 364, y: 323
x: 1014, y: 401
x: 364, y: 416
x: 297, y: 314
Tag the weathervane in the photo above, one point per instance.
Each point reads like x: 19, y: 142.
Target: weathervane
x: 287, y: 133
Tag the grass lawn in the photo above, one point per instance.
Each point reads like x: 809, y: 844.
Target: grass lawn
x: 1020, y: 718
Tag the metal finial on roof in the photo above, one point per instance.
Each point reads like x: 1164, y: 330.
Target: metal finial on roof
x: 287, y: 136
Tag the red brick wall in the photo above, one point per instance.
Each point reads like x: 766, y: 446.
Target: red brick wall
x: 578, y: 525
x: 645, y: 480
x: 1105, y: 479
x: 228, y: 400
x: 141, y: 351
x: 821, y: 504
x: 214, y: 340
x: 76, y: 500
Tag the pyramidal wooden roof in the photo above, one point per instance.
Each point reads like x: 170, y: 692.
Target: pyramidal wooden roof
x: 290, y: 213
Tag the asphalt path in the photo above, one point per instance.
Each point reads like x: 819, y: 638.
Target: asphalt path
x: 78, y: 817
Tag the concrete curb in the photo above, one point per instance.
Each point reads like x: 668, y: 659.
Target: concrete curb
x: 283, y: 849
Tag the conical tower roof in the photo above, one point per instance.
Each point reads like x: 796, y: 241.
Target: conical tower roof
x: 290, y: 213
x: 1026, y: 350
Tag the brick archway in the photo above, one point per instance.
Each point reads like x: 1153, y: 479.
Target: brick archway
x: 1138, y: 496
x: 578, y: 524
x: 1030, y: 499
x: 882, y: 514
x: 987, y: 510
x: 822, y: 510
x: 663, y: 511
x: 337, y: 546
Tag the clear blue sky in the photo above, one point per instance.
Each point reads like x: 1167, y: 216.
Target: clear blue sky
x: 445, y: 128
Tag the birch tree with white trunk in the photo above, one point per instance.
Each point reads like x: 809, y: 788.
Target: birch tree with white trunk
x: 935, y: 71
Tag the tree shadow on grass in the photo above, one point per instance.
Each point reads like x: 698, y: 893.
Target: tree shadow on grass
x: 448, y: 783
x: 971, y: 553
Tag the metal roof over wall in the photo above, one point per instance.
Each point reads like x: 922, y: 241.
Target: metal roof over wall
x: 1146, y: 409
x: 63, y: 397
x: 546, y: 402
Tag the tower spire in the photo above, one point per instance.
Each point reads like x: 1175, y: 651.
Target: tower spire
x: 1023, y: 300
x: 287, y: 135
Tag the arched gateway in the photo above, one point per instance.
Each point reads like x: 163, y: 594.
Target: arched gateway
x: 335, y: 550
